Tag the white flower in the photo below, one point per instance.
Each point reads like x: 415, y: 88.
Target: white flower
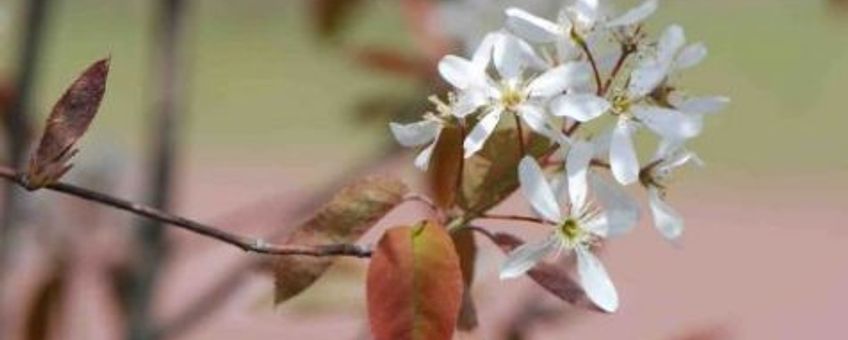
x: 634, y: 112
x: 575, y: 229
x: 669, y: 157
x: 681, y: 121
x: 513, y: 92
x: 670, y: 55
x: 578, y: 21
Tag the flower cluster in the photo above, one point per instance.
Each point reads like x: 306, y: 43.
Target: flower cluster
x: 590, y: 82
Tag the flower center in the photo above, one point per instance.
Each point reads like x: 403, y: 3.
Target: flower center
x: 570, y: 229
x: 511, y: 98
x: 621, y: 104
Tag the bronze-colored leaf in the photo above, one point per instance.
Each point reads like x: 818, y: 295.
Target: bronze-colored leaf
x: 492, y: 175
x: 352, y: 211
x: 466, y: 248
x: 414, y: 285
x: 446, y: 167
x: 69, y: 120
x: 553, y: 278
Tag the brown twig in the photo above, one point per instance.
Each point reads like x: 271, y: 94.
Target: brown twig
x: 520, y: 139
x: 512, y: 218
x: 462, y: 134
x: 627, y: 50
x: 572, y: 129
x: 246, y: 243
x: 582, y: 43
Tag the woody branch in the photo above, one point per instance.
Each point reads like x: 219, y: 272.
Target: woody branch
x: 246, y: 243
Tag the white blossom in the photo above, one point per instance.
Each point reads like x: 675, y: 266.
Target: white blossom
x: 575, y: 229
x: 668, y: 158
x: 576, y: 23
x: 511, y: 92
x: 513, y: 71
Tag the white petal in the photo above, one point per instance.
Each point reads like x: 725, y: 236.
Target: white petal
x: 602, y: 143
x: 595, y: 281
x: 636, y: 15
x: 597, y: 225
x: 415, y: 134
x: 671, y: 41
x: 679, y: 159
x: 535, y: 118
x: 623, y: 161
x: 559, y: 184
x: 457, y: 71
x: 559, y: 79
x: 667, y: 123
x: 525, y: 257
x: 537, y: 190
x: 666, y: 220
x: 531, y: 27
x: 468, y: 102
x: 567, y: 50
x: 703, y: 105
x: 481, y: 132
x: 586, y: 12
x: 483, y: 54
x: 422, y: 161
x: 646, y: 77
x: 621, y: 210
x: 690, y: 56
x: 666, y: 149
x: 509, y: 56
x: 577, y: 169
x: 580, y: 107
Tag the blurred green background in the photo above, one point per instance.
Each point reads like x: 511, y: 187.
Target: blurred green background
x: 260, y: 81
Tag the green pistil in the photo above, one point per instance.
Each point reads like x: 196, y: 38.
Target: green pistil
x: 620, y: 104
x: 511, y: 99
x: 571, y: 230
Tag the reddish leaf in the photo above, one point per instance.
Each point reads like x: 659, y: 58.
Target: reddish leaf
x: 331, y: 15
x: 414, y: 285
x: 446, y: 167
x: 353, y: 211
x: 69, y: 120
x: 393, y: 62
x: 466, y: 248
x: 552, y: 278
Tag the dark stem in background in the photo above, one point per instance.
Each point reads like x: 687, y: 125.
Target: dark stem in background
x: 167, y: 46
x: 17, y: 122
